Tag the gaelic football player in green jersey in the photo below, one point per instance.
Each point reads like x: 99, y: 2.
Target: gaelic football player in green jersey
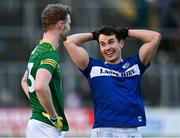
x: 42, y: 79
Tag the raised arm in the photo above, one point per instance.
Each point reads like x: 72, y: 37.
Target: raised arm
x: 151, y: 41
x: 78, y: 54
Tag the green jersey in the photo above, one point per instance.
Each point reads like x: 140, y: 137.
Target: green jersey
x: 45, y: 56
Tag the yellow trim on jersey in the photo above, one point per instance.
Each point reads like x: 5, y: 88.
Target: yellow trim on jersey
x: 50, y: 62
x: 47, y: 43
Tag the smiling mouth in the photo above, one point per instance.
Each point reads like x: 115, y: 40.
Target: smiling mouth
x: 109, y: 53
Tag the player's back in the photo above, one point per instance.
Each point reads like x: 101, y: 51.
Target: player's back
x: 35, y: 60
x: 45, y: 56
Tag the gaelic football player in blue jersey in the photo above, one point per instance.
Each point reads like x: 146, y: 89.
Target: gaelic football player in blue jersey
x: 115, y: 82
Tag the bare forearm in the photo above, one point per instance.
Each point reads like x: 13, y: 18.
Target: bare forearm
x: 144, y: 35
x: 151, y: 41
x: 78, y: 55
x: 45, y: 99
x: 80, y: 38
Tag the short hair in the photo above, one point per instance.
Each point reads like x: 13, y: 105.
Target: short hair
x: 109, y: 30
x: 53, y: 13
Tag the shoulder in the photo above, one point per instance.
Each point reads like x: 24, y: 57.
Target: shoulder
x: 44, y: 50
x: 52, y: 54
x: 92, y: 62
x: 135, y: 60
x: 95, y: 61
x: 134, y: 57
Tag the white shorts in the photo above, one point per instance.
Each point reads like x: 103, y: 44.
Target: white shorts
x: 115, y: 133
x: 38, y: 129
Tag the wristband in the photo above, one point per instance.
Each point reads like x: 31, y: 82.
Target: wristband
x: 94, y: 35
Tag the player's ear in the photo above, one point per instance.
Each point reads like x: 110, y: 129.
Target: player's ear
x: 60, y: 24
x: 121, y: 42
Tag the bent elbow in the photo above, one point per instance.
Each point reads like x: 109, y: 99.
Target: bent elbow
x: 23, y: 82
x: 157, y: 36
x: 39, y: 87
x: 67, y: 42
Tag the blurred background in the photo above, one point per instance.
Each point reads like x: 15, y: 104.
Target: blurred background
x: 20, y: 32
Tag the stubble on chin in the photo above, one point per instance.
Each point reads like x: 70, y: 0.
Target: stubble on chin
x: 63, y: 37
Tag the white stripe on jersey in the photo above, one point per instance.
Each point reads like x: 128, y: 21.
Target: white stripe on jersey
x: 98, y: 71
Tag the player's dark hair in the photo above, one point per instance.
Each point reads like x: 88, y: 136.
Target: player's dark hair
x: 53, y: 13
x: 111, y: 30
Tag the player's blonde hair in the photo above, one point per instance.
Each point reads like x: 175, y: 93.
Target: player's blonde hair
x: 53, y: 13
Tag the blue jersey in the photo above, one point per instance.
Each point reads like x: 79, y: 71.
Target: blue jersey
x: 116, y: 92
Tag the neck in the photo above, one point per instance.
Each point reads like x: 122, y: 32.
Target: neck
x: 51, y: 38
x: 115, y: 62
x: 120, y: 60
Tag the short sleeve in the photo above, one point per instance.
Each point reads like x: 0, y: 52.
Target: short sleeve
x: 49, y: 61
x: 140, y: 64
x: 86, y: 71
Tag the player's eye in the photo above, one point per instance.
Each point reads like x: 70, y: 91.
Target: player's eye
x: 102, y: 44
x: 111, y: 42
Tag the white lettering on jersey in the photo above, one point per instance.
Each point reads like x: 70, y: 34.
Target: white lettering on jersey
x: 98, y: 71
x: 30, y: 77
